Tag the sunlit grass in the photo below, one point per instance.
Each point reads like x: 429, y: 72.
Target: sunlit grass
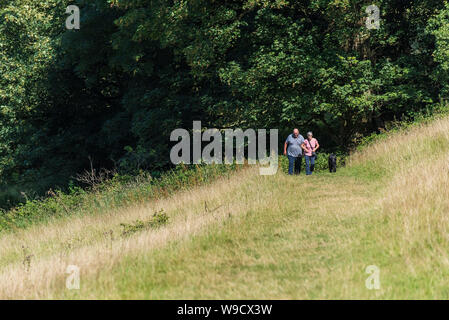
x: 251, y: 236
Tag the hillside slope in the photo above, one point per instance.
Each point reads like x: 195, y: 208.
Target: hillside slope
x: 254, y: 236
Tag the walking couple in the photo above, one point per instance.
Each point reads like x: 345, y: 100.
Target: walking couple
x: 295, y: 146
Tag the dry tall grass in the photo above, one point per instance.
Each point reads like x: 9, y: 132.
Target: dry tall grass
x: 406, y: 148
x: 254, y: 236
x: 94, y: 243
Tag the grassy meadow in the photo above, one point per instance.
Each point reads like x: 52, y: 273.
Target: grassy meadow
x: 259, y: 237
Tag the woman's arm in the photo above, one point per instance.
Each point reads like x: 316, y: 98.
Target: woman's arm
x: 317, y: 146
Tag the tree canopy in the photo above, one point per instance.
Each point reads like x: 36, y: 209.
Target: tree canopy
x: 113, y: 90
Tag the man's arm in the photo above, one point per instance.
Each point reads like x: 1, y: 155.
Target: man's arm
x: 285, y: 148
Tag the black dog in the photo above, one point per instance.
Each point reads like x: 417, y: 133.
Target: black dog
x: 332, y: 161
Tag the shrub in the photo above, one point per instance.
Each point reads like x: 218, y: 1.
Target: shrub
x: 159, y: 219
x: 119, y: 191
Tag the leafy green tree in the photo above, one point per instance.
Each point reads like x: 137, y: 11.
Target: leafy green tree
x: 137, y: 69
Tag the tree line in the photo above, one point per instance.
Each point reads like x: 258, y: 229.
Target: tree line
x: 115, y: 89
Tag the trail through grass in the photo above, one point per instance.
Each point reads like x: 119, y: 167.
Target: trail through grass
x: 254, y: 236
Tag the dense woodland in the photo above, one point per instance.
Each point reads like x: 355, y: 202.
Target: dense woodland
x: 113, y: 90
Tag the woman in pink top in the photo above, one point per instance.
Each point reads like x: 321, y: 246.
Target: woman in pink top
x: 310, y: 146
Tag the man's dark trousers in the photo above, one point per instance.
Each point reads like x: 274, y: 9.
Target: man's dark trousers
x: 294, y: 162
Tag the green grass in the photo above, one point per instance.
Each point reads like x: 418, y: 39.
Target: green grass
x: 287, y: 251
x: 246, y: 236
x: 118, y: 192
x: 122, y: 191
x: 296, y: 250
